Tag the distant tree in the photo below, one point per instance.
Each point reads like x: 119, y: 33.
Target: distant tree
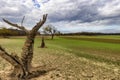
x: 49, y: 29
x: 22, y: 65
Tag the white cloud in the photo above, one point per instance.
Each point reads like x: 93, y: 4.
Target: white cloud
x: 66, y: 15
x: 112, y: 8
x: 59, y: 8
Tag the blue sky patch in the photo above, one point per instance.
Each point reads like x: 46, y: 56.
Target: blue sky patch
x: 36, y: 3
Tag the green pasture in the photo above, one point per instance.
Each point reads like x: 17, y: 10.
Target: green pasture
x: 96, y: 49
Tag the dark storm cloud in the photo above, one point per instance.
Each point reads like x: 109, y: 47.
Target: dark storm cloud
x: 85, y: 12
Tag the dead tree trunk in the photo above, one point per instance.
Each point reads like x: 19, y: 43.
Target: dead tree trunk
x: 42, y: 42
x: 52, y: 36
x: 42, y: 45
x: 22, y: 65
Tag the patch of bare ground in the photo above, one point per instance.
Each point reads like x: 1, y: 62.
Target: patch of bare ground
x: 65, y: 66
x: 70, y: 67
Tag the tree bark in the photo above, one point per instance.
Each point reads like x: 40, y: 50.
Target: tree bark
x: 52, y: 36
x: 42, y: 43
x: 15, y: 61
x: 22, y: 65
x: 27, y: 53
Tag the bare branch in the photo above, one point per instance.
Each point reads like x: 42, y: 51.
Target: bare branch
x: 39, y: 24
x: 16, y: 25
x: 22, y: 20
x: 11, y: 59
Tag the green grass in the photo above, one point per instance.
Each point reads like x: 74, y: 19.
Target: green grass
x: 98, y: 51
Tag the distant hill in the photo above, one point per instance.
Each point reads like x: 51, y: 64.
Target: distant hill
x: 11, y: 32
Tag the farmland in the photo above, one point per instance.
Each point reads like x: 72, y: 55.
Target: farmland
x: 75, y: 57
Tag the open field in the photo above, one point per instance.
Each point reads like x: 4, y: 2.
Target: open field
x: 75, y: 57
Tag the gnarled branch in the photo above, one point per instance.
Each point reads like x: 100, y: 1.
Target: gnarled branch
x: 11, y: 59
x: 39, y: 24
x: 16, y: 25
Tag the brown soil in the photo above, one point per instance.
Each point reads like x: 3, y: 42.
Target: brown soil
x: 69, y: 67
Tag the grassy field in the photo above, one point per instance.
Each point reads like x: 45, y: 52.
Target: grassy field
x: 76, y: 57
x: 104, y: 49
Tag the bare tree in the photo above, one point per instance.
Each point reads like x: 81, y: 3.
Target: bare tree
x: 22, y: 65
x: 49, y: 29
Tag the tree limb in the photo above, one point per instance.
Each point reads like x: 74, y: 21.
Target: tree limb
x: 22, y: 20
x: 11, y: 59
x: 39, y: 24
x: 16, y: 25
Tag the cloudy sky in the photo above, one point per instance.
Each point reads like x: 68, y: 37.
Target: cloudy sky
x: 65, y: 15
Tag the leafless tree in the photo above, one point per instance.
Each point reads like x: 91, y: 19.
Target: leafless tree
x: 22, y: 65
x: 49, y: 29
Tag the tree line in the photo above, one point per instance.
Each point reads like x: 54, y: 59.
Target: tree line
x: 11, y: 32
x: 46, y: 30
x: 88, y: 34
